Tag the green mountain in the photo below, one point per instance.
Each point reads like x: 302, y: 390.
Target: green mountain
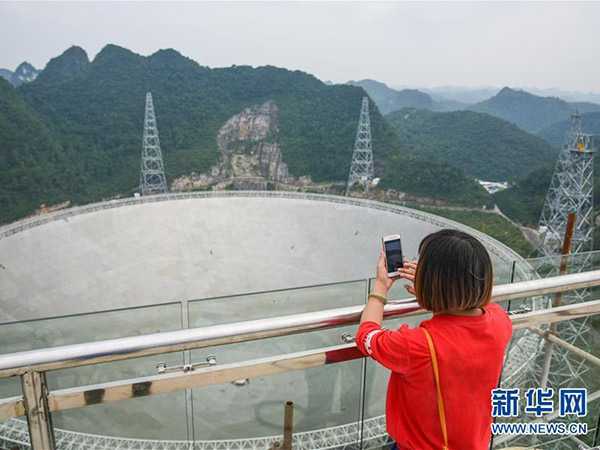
x: 72, y: 63
x: 389, y: 100
x: 530, y: 112
x: 524, y: 200
x: 92, y: 114
x: 427, y: 177
x: 555, y: 133
x: 487, y: 147
x: 34, y: 168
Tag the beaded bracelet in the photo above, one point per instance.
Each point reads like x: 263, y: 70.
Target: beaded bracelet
x: 378, y: 297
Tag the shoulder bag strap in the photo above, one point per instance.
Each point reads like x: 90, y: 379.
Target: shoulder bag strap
x: 436, y: 375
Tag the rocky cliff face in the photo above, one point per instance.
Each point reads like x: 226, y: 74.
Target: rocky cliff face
x: 24, y: 74
x: 250, y: 155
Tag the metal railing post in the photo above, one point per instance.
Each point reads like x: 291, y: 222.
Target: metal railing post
x: 39, y: 420
x: 288, y: 423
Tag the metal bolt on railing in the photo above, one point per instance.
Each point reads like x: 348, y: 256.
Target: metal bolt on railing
x: 161, y: 367
x: 347, y: 338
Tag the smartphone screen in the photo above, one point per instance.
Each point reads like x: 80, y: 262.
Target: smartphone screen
x: 393, y: 253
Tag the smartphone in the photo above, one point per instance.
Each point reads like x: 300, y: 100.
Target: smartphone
x: 393, y: 254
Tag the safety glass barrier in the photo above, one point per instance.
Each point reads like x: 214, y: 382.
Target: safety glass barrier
x: 151, y: 417
x: 253, y: 378
x: 13, y: 431
x: 551, y: 266
x: 251, y: 411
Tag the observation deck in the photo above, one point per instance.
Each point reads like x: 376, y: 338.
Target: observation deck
x: 347, y: 412
x: 214, y: 371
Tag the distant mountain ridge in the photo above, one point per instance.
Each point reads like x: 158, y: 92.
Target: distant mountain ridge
x: 389, y: 99
x: 472, y: 95
x: 24, y: 73
x: 460, y: 94
x: 487, y: 147
x: 556, y: 132
x: 530, y: 112
x: 6, y: 74
x: 569, y: 96
x: 93, y: 112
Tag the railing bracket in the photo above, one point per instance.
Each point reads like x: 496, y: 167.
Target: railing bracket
x: 162, y: 368
x: 347, y: 338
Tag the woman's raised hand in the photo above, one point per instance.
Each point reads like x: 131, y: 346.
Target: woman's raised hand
x: 382, y: 274
x: 408, y: 273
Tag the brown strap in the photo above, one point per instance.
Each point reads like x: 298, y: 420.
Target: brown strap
x: 436, y: 374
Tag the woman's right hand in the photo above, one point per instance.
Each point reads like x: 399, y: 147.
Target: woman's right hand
x: 408, y: 273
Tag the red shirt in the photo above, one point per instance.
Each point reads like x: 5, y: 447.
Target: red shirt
x: 470, y: 353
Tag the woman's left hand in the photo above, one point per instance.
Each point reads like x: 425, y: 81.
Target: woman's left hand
x: 408, y: 273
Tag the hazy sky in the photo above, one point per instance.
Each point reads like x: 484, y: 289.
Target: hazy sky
x: 534, y: 44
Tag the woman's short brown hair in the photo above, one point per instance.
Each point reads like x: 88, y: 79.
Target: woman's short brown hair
x: 454, y: 272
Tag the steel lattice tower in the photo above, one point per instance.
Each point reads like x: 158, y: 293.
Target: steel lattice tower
x: 361, y: 169
x: 571, y: 191
x: 152, y: 174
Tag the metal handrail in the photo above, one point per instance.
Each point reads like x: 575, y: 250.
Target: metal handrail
x: 126, y: 389
x: 53, y: 358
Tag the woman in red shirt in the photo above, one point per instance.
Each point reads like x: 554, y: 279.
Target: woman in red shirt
x: 453, y: 280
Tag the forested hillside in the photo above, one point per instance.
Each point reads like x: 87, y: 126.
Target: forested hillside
x: 530, y: 112
x: 524, y: 200
x: 34, y: 169
x: 489, y: 148
x: 89, y: 116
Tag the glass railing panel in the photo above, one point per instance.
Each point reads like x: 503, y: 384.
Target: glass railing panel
x: 154, y: 417
x: 549, y: 266
x: 158, y: 417
x: 260, y: 305
x: 252, y: 412
x: 503, y: 272
x: 82, y: 328
x: 270, y: 305
x: 13, y: 431
x: 324, y: 397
